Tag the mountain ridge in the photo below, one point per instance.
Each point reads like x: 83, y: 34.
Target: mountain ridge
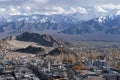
x: 44, y: 39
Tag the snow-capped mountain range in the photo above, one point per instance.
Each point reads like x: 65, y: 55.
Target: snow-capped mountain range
x: 20, y: 23
x: 78, y: 23
x: 107, y: 25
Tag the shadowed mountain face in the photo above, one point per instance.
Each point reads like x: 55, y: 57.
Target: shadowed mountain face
x: 44, y: 40
x: 59, y: 51
x: 31, y: 49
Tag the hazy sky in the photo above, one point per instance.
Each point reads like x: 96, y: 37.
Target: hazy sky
x: 14, y: 7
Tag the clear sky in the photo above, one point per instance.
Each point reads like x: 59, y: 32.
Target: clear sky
x: 16, y: 7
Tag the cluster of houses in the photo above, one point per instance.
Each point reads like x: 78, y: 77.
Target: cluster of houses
x: 37, y: 67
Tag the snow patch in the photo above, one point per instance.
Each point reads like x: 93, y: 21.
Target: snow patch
x: 43, y: 20
x: 117, y: 13
x: 100, y: 9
